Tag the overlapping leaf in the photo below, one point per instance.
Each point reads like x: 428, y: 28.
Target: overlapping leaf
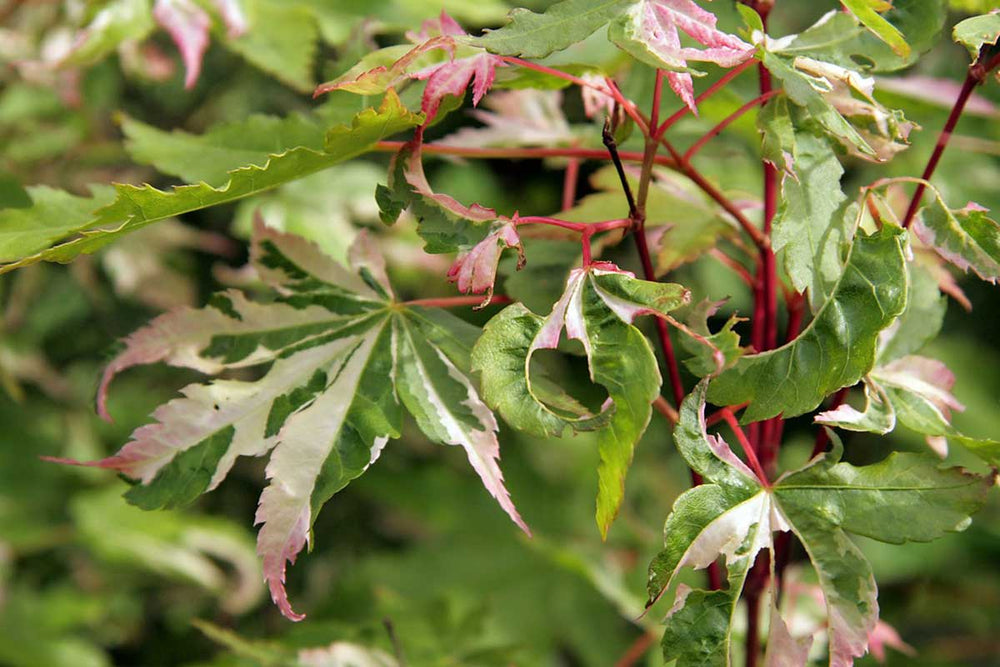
x: 903, y: 498
x: 445, y: 224
x: 450, y: 77
x: 563, y: 24
x: 841, y: 101
x: 811, y: 228
x: 345, y: 359
x: 869, y: 13
x: 967, y: 238
x: 978, y: 31
x: 840, y: 38
x: 839, y: 345
x: 597, y: 309
x: 41, y: 233
x: 648, y: 30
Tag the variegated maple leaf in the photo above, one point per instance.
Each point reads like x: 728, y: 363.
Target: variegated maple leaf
x: 465, y: 65
x: 649, y: 30
x: 597, y: 308
x: 475, y: 271
x: 735, y: 513
x: 345, y: 359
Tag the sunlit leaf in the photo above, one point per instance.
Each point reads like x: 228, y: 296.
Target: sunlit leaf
x: 975, y: 32
x: 648, y: 30
x: 869, y: 12
x: 563, y: 24
x: 135, y: 207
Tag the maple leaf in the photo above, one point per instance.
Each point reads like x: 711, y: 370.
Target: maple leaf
x: 597, y: 308
x: 475, y: 271
x: 649, y: 31
x: 188, y: 25
x: 465, y: 65
x: 345, y: 357
x: 734, y: 515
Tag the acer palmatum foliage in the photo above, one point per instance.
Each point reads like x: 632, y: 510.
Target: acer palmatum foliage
x: 841, y: 295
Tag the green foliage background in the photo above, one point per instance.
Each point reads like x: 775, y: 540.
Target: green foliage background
x: 88, y: 580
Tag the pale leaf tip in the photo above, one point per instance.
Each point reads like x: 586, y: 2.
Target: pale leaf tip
x: 280, y: 597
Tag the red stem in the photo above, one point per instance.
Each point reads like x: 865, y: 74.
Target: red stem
x: 635, y: 652
x: 528, y: 153
x: 975, y: 76
x: 559, y: 74
x: 458, y: 301
x: 714, y: 88
x: 748, y: 449
x: 719, y: 415
x: 678, y: 163
x: 570, y: 181
x: 662, y: 330
x: 654, y: 116
x: 727, y: 121
x: 579, y: 227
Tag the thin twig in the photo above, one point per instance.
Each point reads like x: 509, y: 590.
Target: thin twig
x: 714, y: 88
x: 664, y: 408
x: 458, y: 301
x: 633, y: 654
x: 726, y: 122
x: 521, y: 153
x: 570, y: 181
x: 977, y: 74
x: 609, y: 142
x: 748, y: 449
x: 397, y: 647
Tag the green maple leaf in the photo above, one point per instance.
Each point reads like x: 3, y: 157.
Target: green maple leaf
x: 44, y: 233
x: 596, y: 308
x: 837, y: 348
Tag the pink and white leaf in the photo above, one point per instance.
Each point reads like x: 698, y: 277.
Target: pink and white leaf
x: 303, y: 254
x: 441, y: 422
x: 207, y: 409
x: 652, y: 28
x: 179, y: 337
x: 885, y: 636
x: 430, y: 28
x: 233, y: 17
x: 475, y: 271
x: 878, y: 415
x: 784, y: 650
x: 454, y: 76
x: 188, y: 26
x: 304, y: 443
x: 928, y: 378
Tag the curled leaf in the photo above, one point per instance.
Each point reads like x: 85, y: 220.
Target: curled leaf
x: 475, y: 271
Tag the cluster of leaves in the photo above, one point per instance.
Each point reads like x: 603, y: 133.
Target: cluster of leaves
x: 321, y: 367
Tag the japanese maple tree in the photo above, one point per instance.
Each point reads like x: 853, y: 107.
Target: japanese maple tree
x: 845, y: 287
